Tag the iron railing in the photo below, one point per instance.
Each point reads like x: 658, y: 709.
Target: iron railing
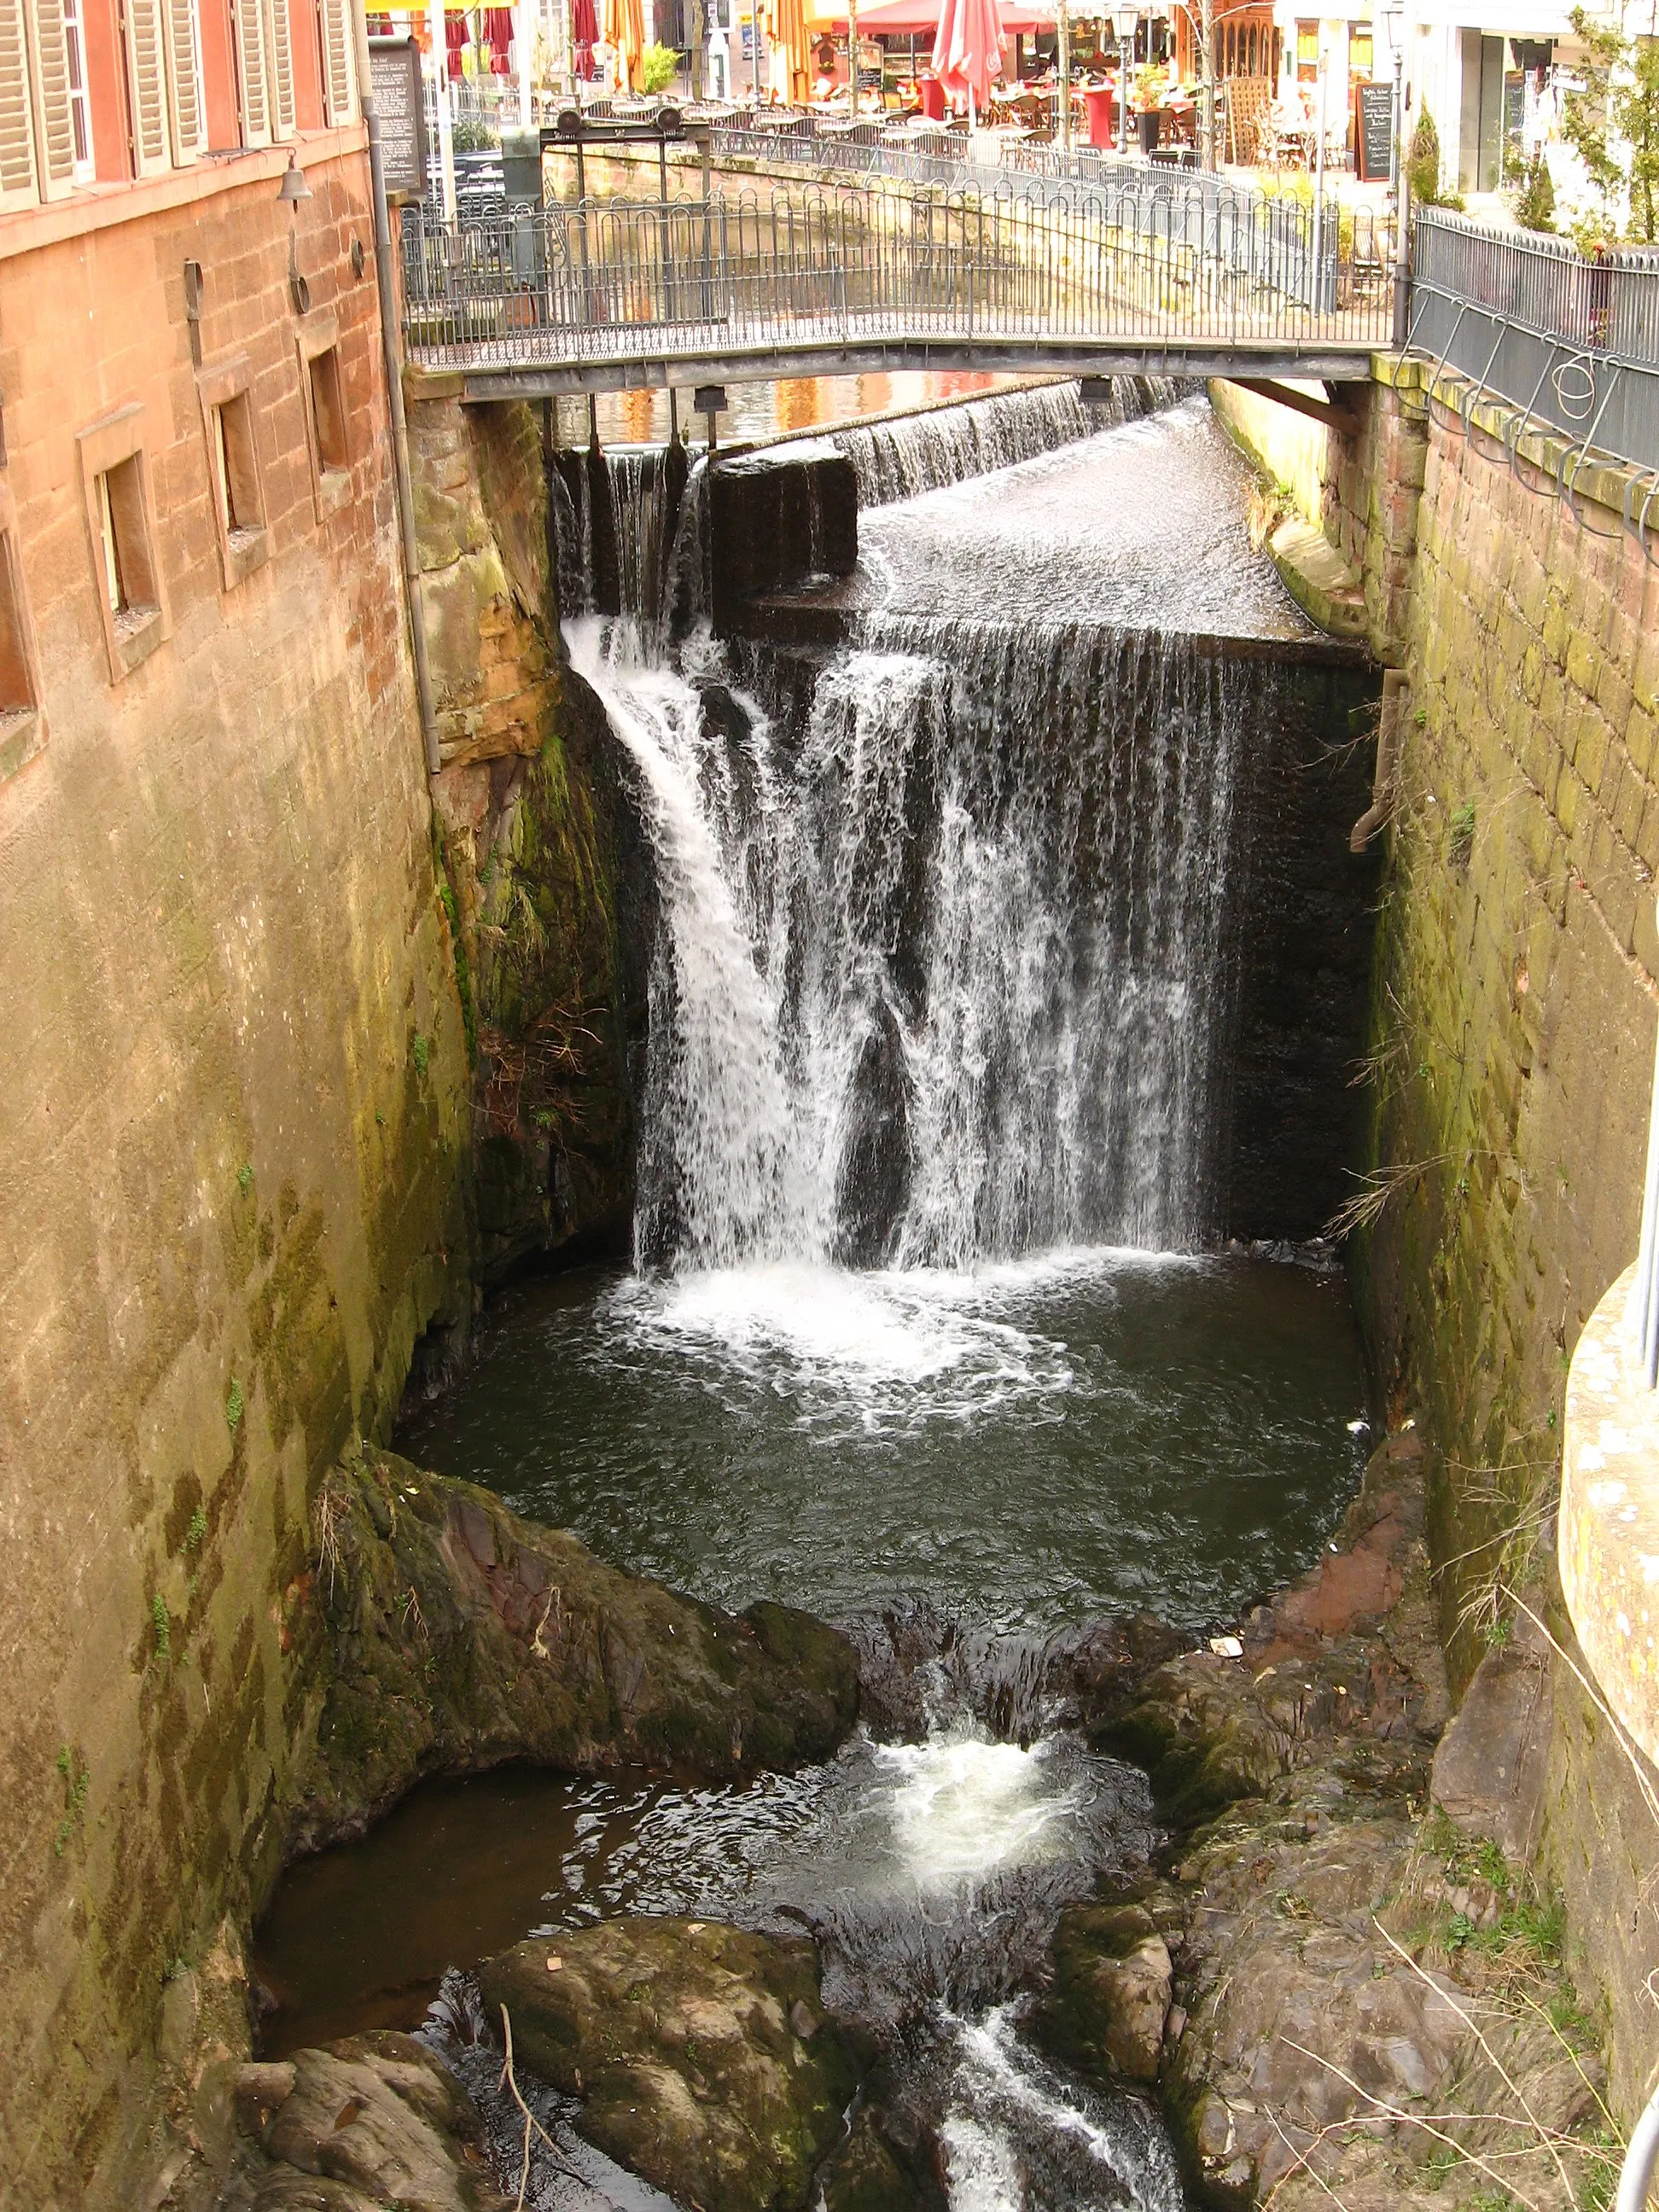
x: 1572, y: 342
x: 809, y: 266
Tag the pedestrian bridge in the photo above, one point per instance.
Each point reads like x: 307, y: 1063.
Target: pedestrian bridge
x: 792, y: 279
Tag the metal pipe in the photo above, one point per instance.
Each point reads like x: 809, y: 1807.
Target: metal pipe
x: 1636, y: 2180
x: 386, y: 290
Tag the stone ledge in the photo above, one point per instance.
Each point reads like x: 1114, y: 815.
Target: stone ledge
x: 1325, y: 587
x: 1608, y: 1529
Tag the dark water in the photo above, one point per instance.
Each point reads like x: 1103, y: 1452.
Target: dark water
x: 1028, y: 1445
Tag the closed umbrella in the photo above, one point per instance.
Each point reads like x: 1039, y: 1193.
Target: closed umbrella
x: 788, y: 56
x: 968, y: 49
x: 624, y: 30
x: 584, y: 36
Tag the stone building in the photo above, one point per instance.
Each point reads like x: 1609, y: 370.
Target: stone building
x: 232, y: 1060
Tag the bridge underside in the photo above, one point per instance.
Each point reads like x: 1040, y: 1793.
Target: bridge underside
x: 480, y: 382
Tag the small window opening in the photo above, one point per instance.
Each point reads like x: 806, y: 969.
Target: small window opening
x: 238, y: 472
x: 80, y: 100
x: 16, y: 683
x: 128, y: 573
x: 328, y: 409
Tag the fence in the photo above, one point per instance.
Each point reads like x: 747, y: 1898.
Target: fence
x: 1574, y: 342
x: 809, y: 266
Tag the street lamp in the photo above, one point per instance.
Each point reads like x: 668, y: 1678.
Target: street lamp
x: 1063, y: 61
x: 1124, y: 23
x: 1393, y: 22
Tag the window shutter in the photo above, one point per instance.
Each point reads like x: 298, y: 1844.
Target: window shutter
x: 152, y: 149
x: 279, y: 63
x: 248, y: 19
x: 184, y: 102
x: 336, y: 25
x: 48, y: 68
x: 17, y: 187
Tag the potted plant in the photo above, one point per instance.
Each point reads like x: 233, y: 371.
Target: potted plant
x: 1151, y: 82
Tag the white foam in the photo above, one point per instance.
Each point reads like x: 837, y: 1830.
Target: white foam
x: 983, y: 2166
x: 964, y: 1809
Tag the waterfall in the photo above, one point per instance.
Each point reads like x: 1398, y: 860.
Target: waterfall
x: 920, y: 452
x: 942, y: 974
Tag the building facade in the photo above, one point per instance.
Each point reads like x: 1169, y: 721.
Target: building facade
x: 233, y: 1070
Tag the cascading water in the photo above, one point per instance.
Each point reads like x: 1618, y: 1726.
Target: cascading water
x: 942, y: 996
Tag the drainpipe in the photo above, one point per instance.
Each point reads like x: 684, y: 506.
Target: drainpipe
x: 1637, y: 2178
x: 1388, y: 756
x: 394, y: 386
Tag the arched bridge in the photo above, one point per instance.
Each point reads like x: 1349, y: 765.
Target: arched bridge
x: 793, y: 279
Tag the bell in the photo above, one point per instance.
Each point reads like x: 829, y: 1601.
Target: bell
x: 294, y: 187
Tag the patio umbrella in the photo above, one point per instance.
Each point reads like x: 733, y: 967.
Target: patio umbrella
x: 788, y: 55
x: 624, y: 30
x: 968, y: 49
x: 584, y: 35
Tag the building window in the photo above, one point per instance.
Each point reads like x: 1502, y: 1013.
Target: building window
x: 80, y: 103
x: 1307, y: 52
x: 239, y: 502
x: 23, y: 726
x: 328, y: 410
x: 120, y: 521
x: 324, y: 386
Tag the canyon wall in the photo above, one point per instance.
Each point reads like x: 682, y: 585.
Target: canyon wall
x: 234, y: 1096
x: 1511, y: 1052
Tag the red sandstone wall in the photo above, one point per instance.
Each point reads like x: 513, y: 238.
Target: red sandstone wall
x: 232, y: 1085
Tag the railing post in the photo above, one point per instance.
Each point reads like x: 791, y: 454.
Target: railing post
x: 1402, y: 262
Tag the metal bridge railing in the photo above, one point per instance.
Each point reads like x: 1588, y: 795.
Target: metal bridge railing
x: 624, y: 281
x: 1574, y: 342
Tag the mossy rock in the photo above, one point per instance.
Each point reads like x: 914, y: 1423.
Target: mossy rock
x: 1104, y: 2009
x: 458, y: 1636
x: 700, y: 2052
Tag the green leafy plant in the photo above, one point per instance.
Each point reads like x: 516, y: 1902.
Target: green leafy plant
x: 1151, y: 82
x: 1534, y: 203
x: 1461, y: 843
x: 245, y: 1178
x: 196, y: 1530
x: 162, y: 1621
x: 659, y: 67
x: 1423, y: 165
x: 1612, y: 126
x: 420, y: 1052
x: 233, y: 1407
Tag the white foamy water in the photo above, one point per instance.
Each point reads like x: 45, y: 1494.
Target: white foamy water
x: 965, y: 1808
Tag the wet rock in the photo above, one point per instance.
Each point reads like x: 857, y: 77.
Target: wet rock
x: 371, y: 2121
x: 863, y: 2174
x: 1105, y: 2009
x: 1493, y: 1760
x: 873, y: 1181
x: 456, y: 1635
x: 680, y: 2038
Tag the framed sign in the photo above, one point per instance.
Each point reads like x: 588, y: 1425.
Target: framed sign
x: 1374, y: 131
x: 394, y: 79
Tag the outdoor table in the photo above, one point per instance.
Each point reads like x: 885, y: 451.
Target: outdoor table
x: 1100, y: 102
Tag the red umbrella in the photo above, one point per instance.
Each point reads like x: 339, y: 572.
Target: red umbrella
x: 454, y: 39
x: 498, y: 34
x: 584, y: 34
x: 967, y: 48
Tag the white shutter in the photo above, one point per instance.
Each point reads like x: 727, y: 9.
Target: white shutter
x: 17, y: 186
x: 54, y: 125
x: 152, y: 148
x: 248, y: 19
x: 188, y: 113
x: 334, y: 20
x: 279, y: 65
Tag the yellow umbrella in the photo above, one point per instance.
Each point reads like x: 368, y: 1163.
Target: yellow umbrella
x: 622, y: 25
x: 789, y: 59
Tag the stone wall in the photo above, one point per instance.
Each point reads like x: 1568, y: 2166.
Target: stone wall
x: 547, y: 870
x: 233, y: 1108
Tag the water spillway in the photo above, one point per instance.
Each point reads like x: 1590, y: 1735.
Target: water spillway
x: 1001, y: 967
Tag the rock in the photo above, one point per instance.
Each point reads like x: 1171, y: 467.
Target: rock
x: 456, y: 1636
x: 1105, y: 2009
x: 1492, y: 1763
x: 372, y: 2121
x: 679, y: 2038
x: 863, y: 2175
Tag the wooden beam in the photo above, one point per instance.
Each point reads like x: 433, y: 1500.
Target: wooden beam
x: 1334, y: 413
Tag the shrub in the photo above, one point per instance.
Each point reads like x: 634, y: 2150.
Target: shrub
x: 659, y: 67
x: 1534, y: 203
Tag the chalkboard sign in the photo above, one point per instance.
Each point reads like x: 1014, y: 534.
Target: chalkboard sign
x: 394, y: 78
x: 1376, y: 131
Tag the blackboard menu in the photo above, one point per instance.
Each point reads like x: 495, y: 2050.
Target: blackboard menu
x: 1376, y: 131
x: 394, y: 75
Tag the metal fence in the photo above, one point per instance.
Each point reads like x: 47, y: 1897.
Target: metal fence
x: 809, y: 266
x: 1572, y: 342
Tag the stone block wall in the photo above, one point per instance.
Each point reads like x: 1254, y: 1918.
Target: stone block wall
x: 232, y: 1088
